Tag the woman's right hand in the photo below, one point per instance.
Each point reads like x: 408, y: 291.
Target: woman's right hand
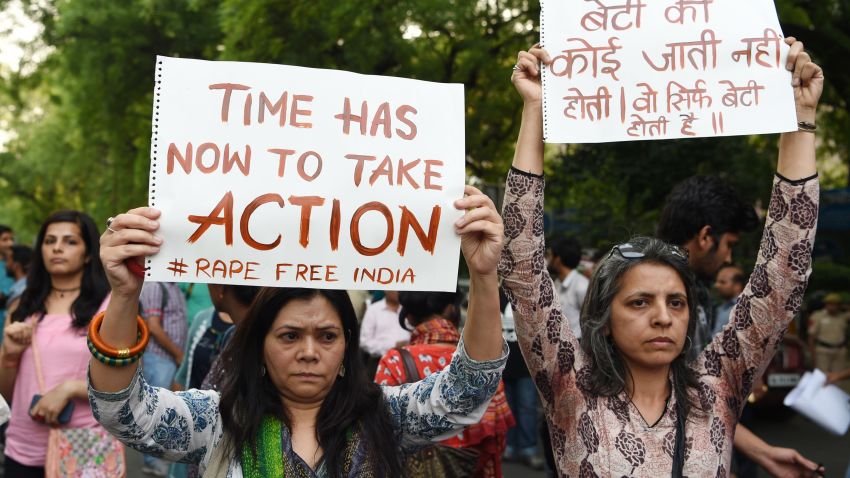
x: 526, y: 75
x: 131, y: 237
x: 17, y: 336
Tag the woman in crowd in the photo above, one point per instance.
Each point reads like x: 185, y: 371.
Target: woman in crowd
x: 66, y: 286
x: 295, y: 399
x: 626, y: 401
x: 435, y: 317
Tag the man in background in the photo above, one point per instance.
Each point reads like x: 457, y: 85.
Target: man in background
x: 380, y: 330
x: 563, y: 260
x: 17, y: 267
x: 729, y: 284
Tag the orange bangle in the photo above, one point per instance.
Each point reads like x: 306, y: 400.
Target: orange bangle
x: 94, y: 336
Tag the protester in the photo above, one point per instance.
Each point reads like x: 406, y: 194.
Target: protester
x: 65, y: 288
x: 828, y: 331
x: 570, y: 285
x: 729, y: 285
x: 295, y: 384
x: 435, y: 317
x: 629, y: 402
x: 163, y: 307
x: 17, y: 267
x: 380, y: 331
x: 521, y: 395
x: 7, y: 239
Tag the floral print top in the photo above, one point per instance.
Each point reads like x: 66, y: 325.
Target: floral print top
x: 606, y: 436
x: 186, y: 426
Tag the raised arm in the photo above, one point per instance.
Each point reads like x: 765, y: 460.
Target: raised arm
x: 528, y: 156
x: 775, y: 291
x: 480, y: 231
x: 445, y: 402
x: 129, y: 236
x: 547, y: 342
x: 797, y: 149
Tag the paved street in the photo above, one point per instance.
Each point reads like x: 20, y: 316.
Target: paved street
x: 799, y: 433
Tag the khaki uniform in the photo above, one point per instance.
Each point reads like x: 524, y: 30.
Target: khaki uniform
x: 830, y: 334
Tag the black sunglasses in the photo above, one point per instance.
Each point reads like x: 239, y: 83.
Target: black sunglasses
x: 629, y: 251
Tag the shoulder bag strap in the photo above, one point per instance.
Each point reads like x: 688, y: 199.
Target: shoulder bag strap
x: 37, y: 358
x: 411, y: 373
x: 679, y: 453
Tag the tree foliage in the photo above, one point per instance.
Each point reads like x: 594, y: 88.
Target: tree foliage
x: 81, y: 117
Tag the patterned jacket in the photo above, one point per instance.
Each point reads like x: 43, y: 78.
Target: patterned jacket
x: 186, y: 426
x: 606, y: 436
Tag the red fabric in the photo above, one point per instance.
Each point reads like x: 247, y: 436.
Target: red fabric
x: 488, y: 437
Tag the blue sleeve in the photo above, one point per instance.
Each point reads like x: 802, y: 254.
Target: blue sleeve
x: 439, y: 406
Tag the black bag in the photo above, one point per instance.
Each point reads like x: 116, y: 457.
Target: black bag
x: 436, y: 461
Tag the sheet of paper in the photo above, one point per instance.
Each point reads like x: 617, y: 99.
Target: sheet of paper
x: 828, y: 406
x: 627, y: 70
x: 285, y: 176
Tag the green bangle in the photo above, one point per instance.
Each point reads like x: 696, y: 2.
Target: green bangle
x: 111, y: 361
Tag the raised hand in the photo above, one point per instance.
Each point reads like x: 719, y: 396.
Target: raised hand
x: 526, y: 75
x: 129, y: 236
x: 807, y: 80
x: 480, y: 231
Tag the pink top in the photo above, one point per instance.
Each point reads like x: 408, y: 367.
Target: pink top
x: 64, y: 356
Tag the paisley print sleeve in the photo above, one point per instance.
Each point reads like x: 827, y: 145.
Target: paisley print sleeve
x: 176, y: 426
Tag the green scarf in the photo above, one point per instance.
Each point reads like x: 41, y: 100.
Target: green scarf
x: 269, y: 452
x: 270, y: 461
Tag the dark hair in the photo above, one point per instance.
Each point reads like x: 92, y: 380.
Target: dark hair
x: 701, y: 201
x: 607, y: 369
x: 354, y: 401
x: 93, y: 287
x: 419, y: 307
x: 568, y: 249
x: 22, y: 255
x: 4, y: 229
x: 244, y: 294
x: 738, y: 277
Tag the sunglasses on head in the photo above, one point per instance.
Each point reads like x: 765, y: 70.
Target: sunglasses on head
x: 629, y: 251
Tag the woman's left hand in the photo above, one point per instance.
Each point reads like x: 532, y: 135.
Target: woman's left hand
x: 52, y: 403
x: 807, y: 80
x: 480, y: 231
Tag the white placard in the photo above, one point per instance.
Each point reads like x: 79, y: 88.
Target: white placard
x: 626, y: 70
x: 826, y: 405
x: 349, y: 185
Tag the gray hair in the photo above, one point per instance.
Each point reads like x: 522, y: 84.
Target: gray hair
x: 607, y: 370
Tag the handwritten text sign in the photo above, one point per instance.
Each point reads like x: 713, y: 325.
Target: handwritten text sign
x: 285, y: 176
x: 655, y: 69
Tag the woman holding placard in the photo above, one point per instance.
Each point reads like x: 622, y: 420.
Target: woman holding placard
x: 625, y: 401
x: 296, y: 400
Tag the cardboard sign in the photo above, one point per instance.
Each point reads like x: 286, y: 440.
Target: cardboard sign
x: 627, y: 70
x: 284, y: 176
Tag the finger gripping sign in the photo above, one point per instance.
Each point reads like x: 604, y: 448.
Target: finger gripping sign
x: 284, y: 176
x: 626, y: 70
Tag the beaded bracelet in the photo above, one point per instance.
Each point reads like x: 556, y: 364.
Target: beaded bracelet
x: 97, y: 342
x: 111, y: 361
